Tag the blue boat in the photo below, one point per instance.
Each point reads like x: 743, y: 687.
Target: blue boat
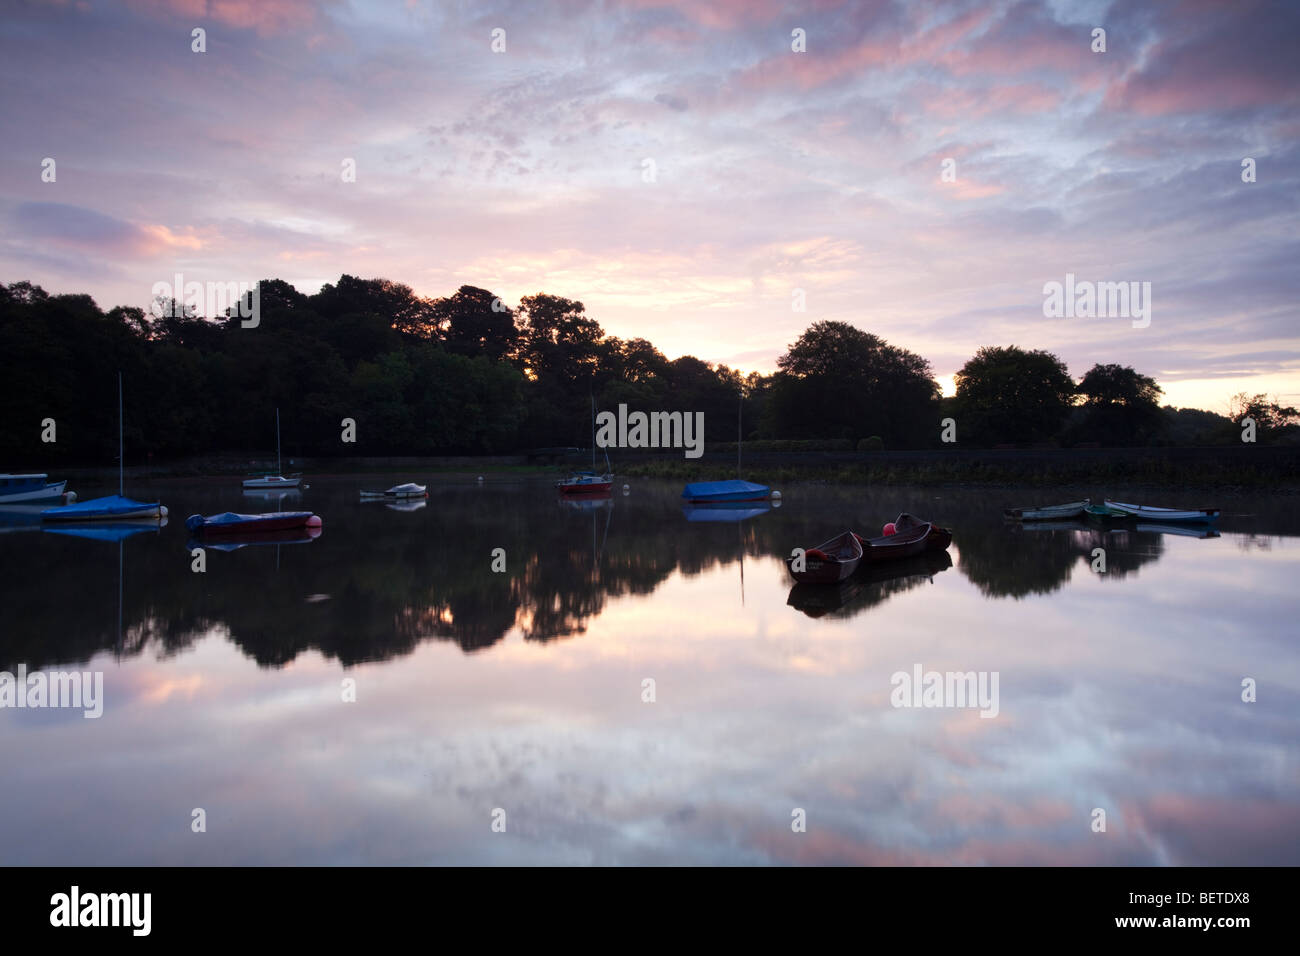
x: 231, y: 523
x: 109, y: 508
x: 732, y: 490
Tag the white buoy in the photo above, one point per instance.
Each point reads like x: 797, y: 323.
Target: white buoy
x: 627, y: 489
x: 480, y: 479
x: 776, y: 496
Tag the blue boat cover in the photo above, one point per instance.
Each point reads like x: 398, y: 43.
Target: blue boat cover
x: 107, y: 507
x: 194, y: 522
x: 733, y: 490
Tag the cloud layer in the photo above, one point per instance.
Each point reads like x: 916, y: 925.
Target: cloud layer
x: 680, y: 169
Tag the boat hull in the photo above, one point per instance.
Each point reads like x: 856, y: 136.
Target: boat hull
x: 1105, y: 511
x: 242, y: 524
x: 895, y: 547
x: 583, y: 488
x: 1151, y: 513
x: 275, y: 482
x: 938, y: 538
x: 830, y: 562
x: 703, y: 492
x: 111, y: 508
x: 51, y: 492
x: 1051, y: 513
x: 399, y: 492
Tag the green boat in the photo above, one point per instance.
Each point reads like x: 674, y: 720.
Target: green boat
x: 1106, y: 511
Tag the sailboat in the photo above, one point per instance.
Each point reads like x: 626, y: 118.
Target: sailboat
x: 589, y: 483
x: 732, y: 490
x: 277, y: 480
x: 112, y: 507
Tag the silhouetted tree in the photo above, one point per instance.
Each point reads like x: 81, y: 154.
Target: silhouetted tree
x: 1007, y: 394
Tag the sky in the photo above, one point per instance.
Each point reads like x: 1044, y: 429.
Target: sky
x: 683, y: 170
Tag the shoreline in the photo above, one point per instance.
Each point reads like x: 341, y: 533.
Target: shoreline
x: 1223, y: 469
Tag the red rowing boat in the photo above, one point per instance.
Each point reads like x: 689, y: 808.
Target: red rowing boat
x: 907, y: 543
x: 939, y: 538
x: 830, y: 562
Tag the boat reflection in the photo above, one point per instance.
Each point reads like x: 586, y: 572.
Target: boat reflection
x: 869, y: 586
x: 409, y: 504
x: 228, y: 542
x: 20, y: 518
x: 108, y: 531
x: 733, y: 511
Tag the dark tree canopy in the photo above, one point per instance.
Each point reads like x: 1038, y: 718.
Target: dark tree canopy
x: 475, y: 322
x: 1271, y: 418
x: 1121, y: 406
x: 837, y: 381
x: 1009, y: 395
x: 466, y: 374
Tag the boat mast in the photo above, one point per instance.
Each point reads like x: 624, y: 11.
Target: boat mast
x: 593, y: 433
x: 740, y: 405
x: 120, y: 459
x: 278, y: 469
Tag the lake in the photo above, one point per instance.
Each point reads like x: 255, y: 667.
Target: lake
x: 639, y: 687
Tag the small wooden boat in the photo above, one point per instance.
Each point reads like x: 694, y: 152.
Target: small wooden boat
x: 28, y: 489
x: 939, y: 538
x: 1151, y: 513
x: 1105, y: 511
x: 902, y: 544
x: 231, y: 523
x: 733, y: 490
x: 408, y: 490
x: 1050, y: 512
x: 830, y: 562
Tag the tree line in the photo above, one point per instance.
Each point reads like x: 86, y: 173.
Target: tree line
x: 466, y: 374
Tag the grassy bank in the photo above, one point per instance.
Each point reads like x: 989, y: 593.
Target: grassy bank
x: 1264, y: 469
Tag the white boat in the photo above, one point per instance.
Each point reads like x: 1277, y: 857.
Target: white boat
x: 1151, y: 513
x: 272, y: 481
x: 277, y: 480
x: 408, y: 490
x: 16, y: 489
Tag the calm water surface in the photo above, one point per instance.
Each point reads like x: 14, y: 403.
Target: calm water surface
x: 523, y: 690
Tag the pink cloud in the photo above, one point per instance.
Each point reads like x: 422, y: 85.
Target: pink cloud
x: 264, y: 16
x: 716, y: 14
